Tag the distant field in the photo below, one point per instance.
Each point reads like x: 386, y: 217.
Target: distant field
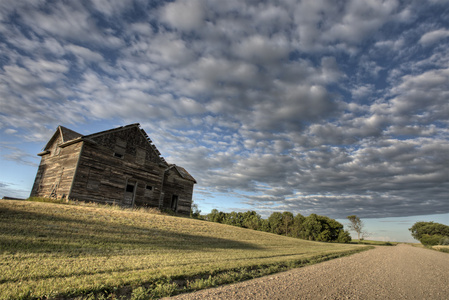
x: 54, y: 250
x: 374, y: 243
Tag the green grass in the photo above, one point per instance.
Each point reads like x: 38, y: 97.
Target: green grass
x: 374, y: 243
x: 50, y: 250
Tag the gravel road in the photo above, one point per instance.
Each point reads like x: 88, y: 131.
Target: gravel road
x: 400, y: 272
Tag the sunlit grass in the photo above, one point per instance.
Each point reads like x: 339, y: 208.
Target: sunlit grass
x: 374, y: 243
x: 50, y: 250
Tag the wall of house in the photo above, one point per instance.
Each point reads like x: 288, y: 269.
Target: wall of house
x: 177, y: 189
x: 116, y: 167
x: 114, y: 160
x: 56, y: 170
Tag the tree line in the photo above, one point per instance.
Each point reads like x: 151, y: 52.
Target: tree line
x: 313, y: 227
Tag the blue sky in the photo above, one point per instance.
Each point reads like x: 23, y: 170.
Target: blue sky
x: 326, y: 107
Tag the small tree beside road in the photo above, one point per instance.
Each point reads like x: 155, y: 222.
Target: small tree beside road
x: 356, y: 225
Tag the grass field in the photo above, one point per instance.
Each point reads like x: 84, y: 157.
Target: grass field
x: 72, y: 251
x: 374, y: 243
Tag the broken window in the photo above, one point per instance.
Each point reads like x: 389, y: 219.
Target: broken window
x: 148, y: 191
x: 130, y: 188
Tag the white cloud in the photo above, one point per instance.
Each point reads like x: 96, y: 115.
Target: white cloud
x: 184, y: 15
x: 71, y: 22
x: 344, y: 24
x: 169, y: 50
x: 111, y: 7
x: 394, y: 45
x: 261, y: 49
x: 10, y: 131
x: 362, y: 91
x: 19, y: 156
x: 422, y: 96
x: 187, y: 106
x: 433, y: 36
x: 84, y: 53
x: 360, y: 19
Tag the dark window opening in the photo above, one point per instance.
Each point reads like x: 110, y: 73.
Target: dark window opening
x: 130, y: 188
x: 174, y: 202
x: 118, y: 155
x: 148, y: 191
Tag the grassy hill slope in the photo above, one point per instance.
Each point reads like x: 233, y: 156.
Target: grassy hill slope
x: 54, y: 250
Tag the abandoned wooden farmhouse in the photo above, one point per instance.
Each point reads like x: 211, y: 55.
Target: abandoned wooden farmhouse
x: 119, y: 166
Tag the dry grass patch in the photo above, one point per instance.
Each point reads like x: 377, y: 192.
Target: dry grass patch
x: 442, y: 248
x: 53, y: 250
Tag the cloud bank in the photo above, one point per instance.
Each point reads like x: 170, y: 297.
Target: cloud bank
x: 312, y: 107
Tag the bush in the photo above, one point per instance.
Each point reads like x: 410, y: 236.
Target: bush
x: 419, y: 229
x: 430, y: 240
x: 444, y: 241
x: 163, y: 290
x: 344, y: 237
x: 139, y: 293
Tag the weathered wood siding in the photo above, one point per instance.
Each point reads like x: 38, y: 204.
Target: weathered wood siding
x: 56, y: 170
x: 103, y: 177
x: 118, y: 166
x: 181, y: 189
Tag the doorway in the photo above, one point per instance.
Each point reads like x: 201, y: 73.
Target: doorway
x: 174, y: 202
x: 130, y: 192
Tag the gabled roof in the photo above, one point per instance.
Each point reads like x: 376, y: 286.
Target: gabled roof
x: 111, y: 130
x: 65, y: 134
x: 137, y: 125
x: 182, y: 172
x: 69, y: 137
x: 68, y: 134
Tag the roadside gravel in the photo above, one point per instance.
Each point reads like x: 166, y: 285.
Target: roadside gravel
x: 400, y: 272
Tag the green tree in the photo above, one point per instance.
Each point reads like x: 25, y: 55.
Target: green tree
x: 194, y: 211
x: 324, y: 229
x: 429, y: 233
x: 275, y: 222
x: 344, y: 237
x: 234, y: 218
x: 287, y: 222
x: 330, y: 229
x: 356, y: 225
x: 251, y: 220
x: 216, y: 216
x: 264, y: 225
x: 298, y: 229
x: 312, y: 227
